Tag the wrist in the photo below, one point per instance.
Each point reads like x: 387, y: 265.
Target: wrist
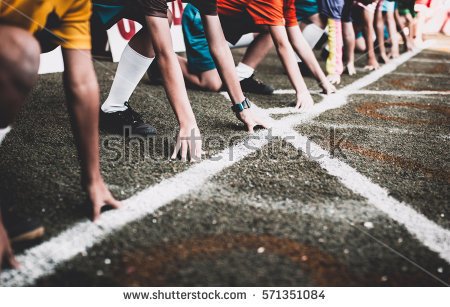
x: 91, y: 179
x: 192, y: 123
x: 240, y: 107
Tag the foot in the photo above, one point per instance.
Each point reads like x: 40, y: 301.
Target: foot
x: 255, y: 86
x: 351, y: 69
x: 154, y: 74
x: 21, y: 229
x: 116, y: 122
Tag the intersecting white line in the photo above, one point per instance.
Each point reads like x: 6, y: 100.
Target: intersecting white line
x: 43, y: 259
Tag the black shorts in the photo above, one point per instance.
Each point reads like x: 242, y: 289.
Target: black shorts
x: 206, y: 7
x: 234, y: 27
x: 111, y: 11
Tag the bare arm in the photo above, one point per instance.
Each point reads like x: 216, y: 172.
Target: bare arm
x: 189, y: 135
x: 287, y: 56
x: 305, y: 52
x: 6, y: 251
x: 222, y: 57
x: 369, y: 35
x: 82, y: 95
x: 225, y: 65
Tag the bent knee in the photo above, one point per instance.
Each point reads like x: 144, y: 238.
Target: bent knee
x: 22, y: 54
x: 213, y: 85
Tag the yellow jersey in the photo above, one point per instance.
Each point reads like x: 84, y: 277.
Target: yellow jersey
x: 67, y: 20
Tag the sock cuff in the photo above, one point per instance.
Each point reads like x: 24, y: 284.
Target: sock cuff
x: 244, y: 71
x: 129, y: 52
x: 245, y: 67
x: 4, y: 132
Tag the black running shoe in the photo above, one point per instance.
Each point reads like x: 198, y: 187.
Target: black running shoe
x: 255, y: 86
x: 22, y: 229
x: 154, y: 74
x: 128, y: 122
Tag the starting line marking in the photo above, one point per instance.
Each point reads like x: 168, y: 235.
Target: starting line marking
x: 43, y: 259
x: 393, y: 130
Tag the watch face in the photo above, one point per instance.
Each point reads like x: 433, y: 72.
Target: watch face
x: 237, y: 108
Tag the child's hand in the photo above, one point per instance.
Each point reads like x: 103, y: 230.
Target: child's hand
x: 372, y: 64
x: 304, y: 101
x: 351, y: 69
x: 334, y: 79
x: 327, y: 87
x: 248, y: 117
x: 188, y: 139
x: 6, y: 251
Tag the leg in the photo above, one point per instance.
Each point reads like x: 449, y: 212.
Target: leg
x: 245, y: 70
x: 334, y: 64
x: 19, y: 64
x: 392, y: 29
x: 401, y: 27
x: 134, y: 62
x: 349, y: 44
x: 199, y: 69
x: 318, y: 21
x: 206, y: 80
x: 258, y: 50
x: 369, y: 36
x: 379, y: 25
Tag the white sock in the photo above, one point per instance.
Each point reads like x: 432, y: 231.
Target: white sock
x: 131, y: 69
x: 3, y: 133
x: 244, y: 71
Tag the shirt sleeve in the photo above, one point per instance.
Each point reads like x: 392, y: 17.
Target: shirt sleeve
x: 74, y: 31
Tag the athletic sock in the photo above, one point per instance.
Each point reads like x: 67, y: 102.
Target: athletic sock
x: 244, y: 71
x: 131, y: 69
x: 3, y: 133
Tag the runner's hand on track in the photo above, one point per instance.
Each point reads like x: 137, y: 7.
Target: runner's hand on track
x: 100, y: 196
x: 189, y: 140
x: 6, y: 251
x: 249, y: 118
x: 304, y: 101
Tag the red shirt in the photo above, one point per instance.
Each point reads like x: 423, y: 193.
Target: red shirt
x: 263, y: 12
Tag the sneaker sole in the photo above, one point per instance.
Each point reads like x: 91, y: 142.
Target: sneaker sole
x: 28, y: 236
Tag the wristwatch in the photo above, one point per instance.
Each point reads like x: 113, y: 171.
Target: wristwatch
x: 239, y: 107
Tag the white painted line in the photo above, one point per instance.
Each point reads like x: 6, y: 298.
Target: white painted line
x: 408, y: 74
x: 427, y: 232
x: 384, y: 129
x: 43, y: 259
x: 292, y: 92
x: 376, y: 92
x: 433, y: 61
x: 401, y: 93
x: 340, y: 98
